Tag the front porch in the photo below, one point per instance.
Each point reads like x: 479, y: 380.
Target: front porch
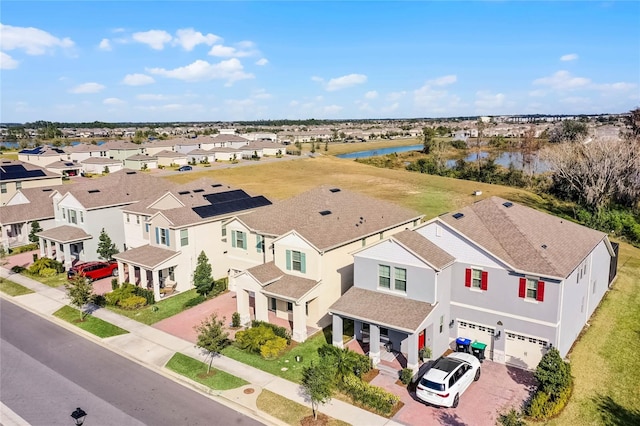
x: 390, y: 359
x: 64, y: 243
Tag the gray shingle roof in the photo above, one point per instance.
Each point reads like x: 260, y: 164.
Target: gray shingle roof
x: 525, y: 238
x: 424, y: 248
x: 352, y: 216
x: 170, y: 154
x: 100, y: 160
x: 146, y: 256
x: 383, y: 309
x: 40, y: 206
x: 277, y: 283
x: 266, y: 273
x: 64, y: 234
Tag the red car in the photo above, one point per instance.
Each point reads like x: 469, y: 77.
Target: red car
x: 94, y: 270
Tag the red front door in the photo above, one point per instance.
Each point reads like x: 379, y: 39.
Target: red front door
x: 421, y: 340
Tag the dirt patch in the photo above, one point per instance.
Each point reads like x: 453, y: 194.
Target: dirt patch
x: 370, y: 375
x: 249, y: 391
x: 322, y: 420
x: 207, y: 375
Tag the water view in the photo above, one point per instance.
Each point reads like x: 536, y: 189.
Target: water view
x: 380, y: 151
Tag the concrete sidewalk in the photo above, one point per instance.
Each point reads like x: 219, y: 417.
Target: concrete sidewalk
x: 153, y: 348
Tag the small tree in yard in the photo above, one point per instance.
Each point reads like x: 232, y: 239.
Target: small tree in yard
x: 212, y: 337
x: 202, y: 279
x: 35, y: 228
x: 106, y: 248
x: 553, y: 374
x: 79, y: 290
x: 318, y: 385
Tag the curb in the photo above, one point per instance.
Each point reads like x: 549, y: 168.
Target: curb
x: 212, y: 394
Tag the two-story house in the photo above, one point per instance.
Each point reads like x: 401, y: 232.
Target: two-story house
x: 292, y: 260
x: 496, y: 272
x: 17, y: 175
x: 166, y: 233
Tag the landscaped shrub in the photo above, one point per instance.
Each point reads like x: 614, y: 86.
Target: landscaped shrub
x: 114, y: 284
x: 511, y: 418
x: 252, y: 339
x: 344, y: 361
x: 277, y: 330
x: 47, y: 272
x: 406, y: 374
x: 459, y: 144
x: 371, y: 396
x: 133, y: 302
x: 45, y: 263
x: 219, y: 286
x: 149, y: 296
x: 194, y: 301
x: 22, y: 249
x: 554, y: 386
x: 17, y: 269
x: 98, y: 299
x: 235, y: 320
x: 125, y: 291
x: 273, y: 348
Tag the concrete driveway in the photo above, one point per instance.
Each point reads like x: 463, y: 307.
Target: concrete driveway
x: 499, y: 388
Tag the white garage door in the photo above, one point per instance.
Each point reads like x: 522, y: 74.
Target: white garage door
x: 478, y: 332
x: 524, y: 351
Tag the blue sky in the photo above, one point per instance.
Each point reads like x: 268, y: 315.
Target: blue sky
x: 207, y: 61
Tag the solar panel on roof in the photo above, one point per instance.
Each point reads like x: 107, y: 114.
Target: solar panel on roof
x: 507, y: 204
x: 18, y: 171
x: 69, y: 164
x: 458, y: 215
x: 231, y: 206
x: 221, y: 197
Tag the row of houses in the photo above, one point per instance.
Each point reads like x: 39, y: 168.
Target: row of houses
x: 516, y: 279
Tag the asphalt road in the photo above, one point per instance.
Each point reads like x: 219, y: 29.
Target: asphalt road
x: 47, y: 371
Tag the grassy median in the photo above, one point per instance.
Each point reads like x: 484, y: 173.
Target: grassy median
x: 13, y: 289
x: 289, y: 411
x: 91, y: 324
x: 197, y: 371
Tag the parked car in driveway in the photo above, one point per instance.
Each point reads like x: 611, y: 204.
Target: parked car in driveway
x: 448, y: 378
x: 94, y: 270
x: 185, y: 168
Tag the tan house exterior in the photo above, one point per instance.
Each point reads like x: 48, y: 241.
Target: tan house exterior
x: 17, y: 175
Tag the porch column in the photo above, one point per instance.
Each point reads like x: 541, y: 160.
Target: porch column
x: 43, y: 247
x: 242, y: 306
x: 156, y: 283
x: 337, y: 330
x: 262, y: 309
x: 374, y: 344
x: 67, y: 255
x: 299, y: 322
x: 59, y: 254
x: 412, y: 352
x: 132, y: 273
x: 120, y: 272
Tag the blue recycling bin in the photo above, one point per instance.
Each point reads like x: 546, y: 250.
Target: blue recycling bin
x: 462, y: 344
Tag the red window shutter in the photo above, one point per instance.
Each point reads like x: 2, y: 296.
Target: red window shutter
x: 485, y: 279
x: 467, y: 278
x: 540, y: 297
x: 523, y: 288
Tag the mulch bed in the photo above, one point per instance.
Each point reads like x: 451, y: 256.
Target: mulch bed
x: 322, y: 420
x: 207, y: 375
x: 370, y: 375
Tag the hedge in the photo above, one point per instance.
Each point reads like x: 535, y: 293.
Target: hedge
x: 371, y: 396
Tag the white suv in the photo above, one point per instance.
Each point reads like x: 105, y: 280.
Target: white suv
x: 448, y: 378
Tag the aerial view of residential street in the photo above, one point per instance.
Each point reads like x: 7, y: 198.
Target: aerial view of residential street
x: 368, y: 213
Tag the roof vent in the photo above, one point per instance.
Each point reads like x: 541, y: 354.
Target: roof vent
x: 507, y: 204
x: 325, y: 212
x: 131, y: 173
x: 335, y: 190
x: 69, y: 164
x: 198, y: 190
x: 544, y: 246
x: 458, y: 215
x: 184, y: 192
x: 47, y: 190
x: 216, y: 185
x: 93, y: 191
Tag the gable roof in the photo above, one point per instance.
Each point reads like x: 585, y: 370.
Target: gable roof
x: 275, y: 282
x: 147, y: 256
x: 527, y: 239
x: 39, y: 207
x: 428, y: 251
x: 328, y: 217
x: 65, y: 234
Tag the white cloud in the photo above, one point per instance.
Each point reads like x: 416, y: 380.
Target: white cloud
x: 222, y: 51
x: 105, y: 44
x: 332, y: 109
x: 443, y: 81
x: 137, y: 79
x: 563, y: 80
x: 7, y: 62
x: 345, y: 81
x: 261, y: 94
x: 113, y: 101
x: 32, y: 40
x: 294, y: 103
x: 230, y: 70
x: 487, y: 101
x: 262, y: 62
x: 569, y: 57
x: 87, y: 88
x: 394, y: 96
x: 156, y: 39
x: 616, y: 87
x: 538, y: 93
x: 151, y: 97
x: 391, y: 108
x: 188, y: 38
x: 433, y: 98
x: 371, y: 94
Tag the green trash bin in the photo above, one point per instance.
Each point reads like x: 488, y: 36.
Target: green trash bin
x: 477, y: 349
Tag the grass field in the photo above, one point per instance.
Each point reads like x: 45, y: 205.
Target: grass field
x: 197, y: 371
x: 288, y: 411
x: 163, y: 309
x: 53, y: 281
x: 13, y: 289
x: 91, y: 324
x: 605, y: 361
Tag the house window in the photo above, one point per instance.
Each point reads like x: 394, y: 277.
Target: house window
x: 18, y: 185
x: 296, y: 261
x: 224, y: 230
x: 72, y: 217
x: 441, y: 323
x: 146, y: 227
x: 401, y: 279
x: 128, y: 218
x: 3, y: 188
x: 81, y: 217
x: 594, y: 287
x: 476, y: 278
x: 184, y: 237
x: 137, y: 220
x: 531, y: 288
x: 274, y: 304
x: 384, y: 332
x: 259, y: 243
x: 384, y: 276
x: 64, y: 213
x: 238, y: 239
x: 162, y: 236
x: 172, y: 273
x: 289, y: 307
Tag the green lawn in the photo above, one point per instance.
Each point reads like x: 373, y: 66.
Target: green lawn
x: 292, y: 369
x: 54, y: 281
x: 163, y: 309
x: 197, y: 371
x: 13, y: 289
x: 288, y: 411
x: 91, y: 324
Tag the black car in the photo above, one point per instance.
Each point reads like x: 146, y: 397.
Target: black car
x: 185, y: 168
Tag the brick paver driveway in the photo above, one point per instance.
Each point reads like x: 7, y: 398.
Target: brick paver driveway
x: 499, y: 388
x: 181, y: 325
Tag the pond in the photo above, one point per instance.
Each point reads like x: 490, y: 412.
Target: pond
x: 380, y: 151
x: 504, y: 159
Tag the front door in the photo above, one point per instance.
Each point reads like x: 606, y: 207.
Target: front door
x: 421, y: 340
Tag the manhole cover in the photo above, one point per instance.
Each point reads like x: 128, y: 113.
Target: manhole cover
x: 249, y: 391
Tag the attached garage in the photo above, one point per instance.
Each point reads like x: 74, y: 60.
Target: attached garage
x: 524, y: 351
x: 478, y: 332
